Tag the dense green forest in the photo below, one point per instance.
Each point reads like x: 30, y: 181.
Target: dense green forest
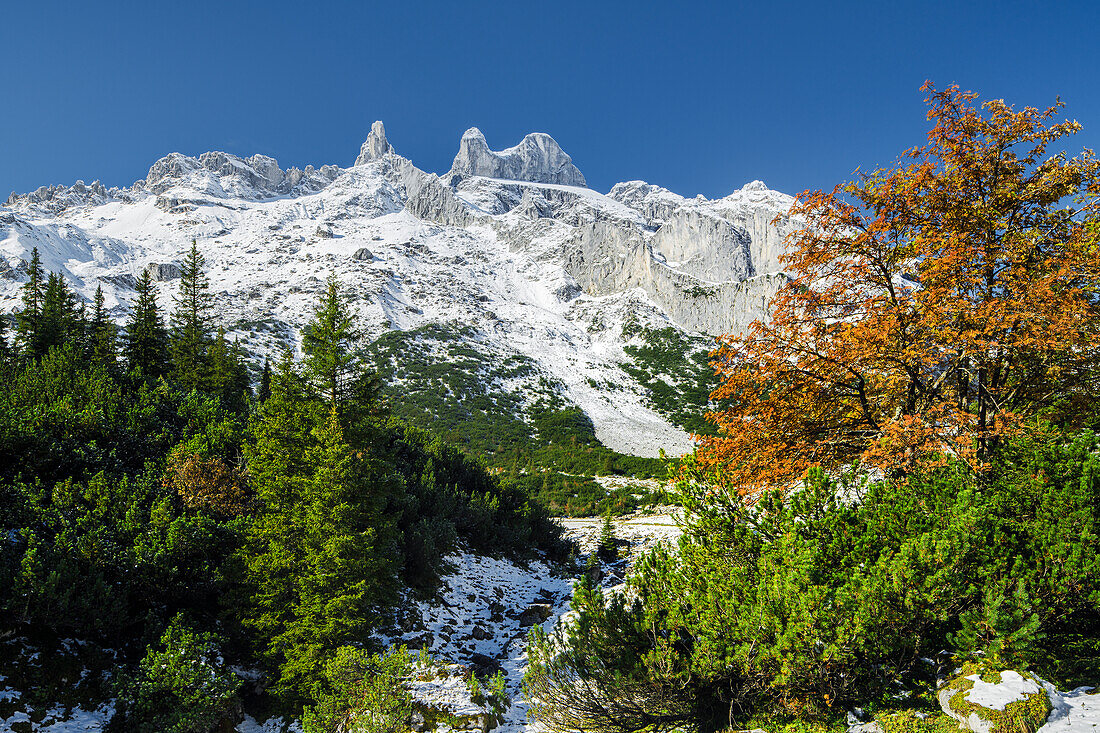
x: 178, y: 523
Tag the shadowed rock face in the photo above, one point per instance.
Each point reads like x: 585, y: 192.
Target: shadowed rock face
x: 538, y: 158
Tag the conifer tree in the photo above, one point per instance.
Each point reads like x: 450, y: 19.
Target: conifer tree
x: 332, y: 362
x: 59, y: 321
x: 190, y: 338
x: 101, y: 333
x: 28, y: 319
x: 146, y: 341
x: 265, y: 383
x: 228, y: 373
x: 322, y: 562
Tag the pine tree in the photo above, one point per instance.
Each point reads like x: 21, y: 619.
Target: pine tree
x: 146, y: 341
x: 59, y: 321
x: 228, y: 373
x: 101, y: 333
x: 332, y: 362
x: 265, y: 383
x: 191, y: 327
x: 28, y: 319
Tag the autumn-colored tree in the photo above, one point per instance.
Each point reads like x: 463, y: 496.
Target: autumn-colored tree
x: 934, y: 307
x: 207, y: 484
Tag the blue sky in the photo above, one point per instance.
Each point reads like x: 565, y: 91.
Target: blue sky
x: 698, y: 97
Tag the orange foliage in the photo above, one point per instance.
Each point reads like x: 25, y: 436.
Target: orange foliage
x: 207, y: 484
x: 934, y: 307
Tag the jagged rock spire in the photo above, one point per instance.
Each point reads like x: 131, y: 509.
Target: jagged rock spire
x: 376, y: 145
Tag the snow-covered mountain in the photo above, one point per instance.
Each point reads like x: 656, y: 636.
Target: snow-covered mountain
x: 508, y: 249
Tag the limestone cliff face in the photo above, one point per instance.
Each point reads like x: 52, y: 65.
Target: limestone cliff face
x: 762, y: 214
x: 706, y: 246
x: 605, y: 258
x: 538, y: 158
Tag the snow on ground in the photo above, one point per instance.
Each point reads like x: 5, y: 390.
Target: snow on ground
x: 273, y: 725
x: 1074, y: 712
x: 488, y: 605
x: 641, y: 532
x: 58, y: 719
x: 1012, y: 687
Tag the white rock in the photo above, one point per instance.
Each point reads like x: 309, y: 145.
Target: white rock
x: 375, y: 146
x: 537, y: 158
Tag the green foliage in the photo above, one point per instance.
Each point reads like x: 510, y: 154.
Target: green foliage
x: 332, y: 358
x: 102, y: 334
x: 28, y: 319
x: 438, y: 377
x: 607, y: 671
x: 607, y: 547
x: 180, y: 686
x: 146, y: 340
x: 191, y: 323
x: 228, y: 373
x: 319, y: 551
x: 131, y: 497
x: 362, y: 692
x: 348, y: 509
x: 568, y: 495
x: 811, y: 602
x: 59, y: 322
x: 442, y: 379
x: 674, y: 368
x: 908, y: 721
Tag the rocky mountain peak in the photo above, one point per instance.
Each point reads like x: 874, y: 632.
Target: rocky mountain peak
x: 537, y: 158
x: 375, y: 146
x: 224, y: 174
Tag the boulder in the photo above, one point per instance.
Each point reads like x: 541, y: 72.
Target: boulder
x: 161, y: 272
x: 484, y: 665
x: 536, y: 613
x: 989, y: 701
x: 125, y: 280
x: 363, y: 254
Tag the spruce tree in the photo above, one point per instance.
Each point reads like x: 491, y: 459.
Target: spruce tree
x: 321, y: 557
x: 332, y: 362
x: 101, y: 333
x: 228, y: 372
x: 146, y: 341
x: 28, y: 319
x: 265, y: 383
x: 191, y: 327
x: 59, y: 321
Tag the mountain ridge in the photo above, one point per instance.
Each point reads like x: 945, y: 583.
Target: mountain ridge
x: 552, y: 271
